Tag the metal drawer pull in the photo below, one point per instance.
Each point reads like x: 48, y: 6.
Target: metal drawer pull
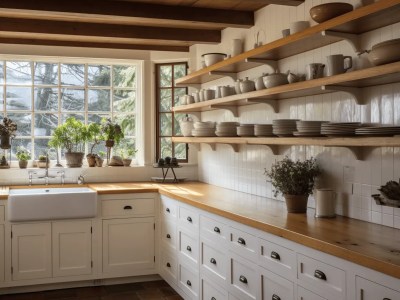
x: 275, y: 297
x: 167, y: 210
x: 168, y: 265
x: 216, y: 229
x: 241, y: 241
x: 213, y: 298
x: 188, y: 283
x: 275, y: 255
x: 213, y: 261
x: 189, y: 219
x: 188, y: 248
x: 168, y: 236
x: 243, y: 279
x: 320, y: 275
x: 127, y: 207
x: 386, y: 299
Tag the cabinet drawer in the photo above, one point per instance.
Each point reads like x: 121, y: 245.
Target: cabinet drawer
x: 169, y: 266
x: 189, y: 219
x: 189, y: 247
x: 2, y: 214
x: 368, y: 290
x: 210, y: 292
x: 213, y: 262
x: 244, y: 244
x: 275, y: 287
x: 189, y: 281
x: 168, y: 208
x: 244, y: 279
x: 214, y: 230
x: 303, y: 294
x: 278, y: 259
x: 169, y: 234
x: 127, y: 207
x: 321, y: 277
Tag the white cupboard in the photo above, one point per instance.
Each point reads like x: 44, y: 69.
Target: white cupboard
x: 2, y: 251
x: 368, y: 290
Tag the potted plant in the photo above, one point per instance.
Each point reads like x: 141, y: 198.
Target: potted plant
x: 42, y: 161
x: 23, y: 155
x: 295, y: 180
x: 127, y: 154
x: 112, y: 134
x: 100, y: 158
x: 7, y: 131
x: 95, y: 136
x: 72, y: 136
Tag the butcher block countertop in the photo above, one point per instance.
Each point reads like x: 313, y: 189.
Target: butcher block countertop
x: 370, y: 245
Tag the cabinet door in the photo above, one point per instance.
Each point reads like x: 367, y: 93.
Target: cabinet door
x: 2, y: 252
x: 31, y: 251
x: 72, y: 248
x: 368, y: 290
x: 128, y: 245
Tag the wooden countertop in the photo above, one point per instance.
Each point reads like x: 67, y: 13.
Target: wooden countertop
x: 370, y: 245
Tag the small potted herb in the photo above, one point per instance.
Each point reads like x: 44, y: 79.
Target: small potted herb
x: 23, y: 155
x: 95, y: 136
x: 127, y: 155
x: 42, y: 161
x: 295, y: 180
x: 7, y: 130
x: 100, y: 158
x: 112, y: 134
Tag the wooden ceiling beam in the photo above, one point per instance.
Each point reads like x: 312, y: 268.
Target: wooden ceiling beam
x: 137, y: 13
x: 110, y: 31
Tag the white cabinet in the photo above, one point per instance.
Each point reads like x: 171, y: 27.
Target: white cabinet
x: 2, y: 248
x: 2, y: 214
x: 128, y: 245
x: 368, y: 290
x: 304, y: 294
x: 275, y: 287
x: 72, y: 248
x: 210, y: 291
x: 244, y: 278
x: 31, y: 251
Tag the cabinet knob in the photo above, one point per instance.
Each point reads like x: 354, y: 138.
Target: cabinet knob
x: 168, y: 236
x: 241, y: 241
x: 188, y: 248
x: 168, y: 265
x: 213, y: 261
x: 188, y: 283
x: 243, y: 279
x: 275, y: 297
x: 275, y: 255
x: 189, y: 219
x: 127, y: 207
x: 167, y: 210
x: 216, y: 229
x: 320, y: 275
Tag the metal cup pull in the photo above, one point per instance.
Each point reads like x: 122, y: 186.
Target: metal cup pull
x: 167, y: 210
x: 189, y: 219
x: 241, y: 241
x: 243, y: 279
x: 216, y: 229
x: 127, y: 207
x: 168, y: 265
x: 213, y: 298
x: 275, y: 297
x: 188, y: 283
x: 320, y: 275
x: 168, y: 236
x: 275, y: 255
x: 213, y: 261
x: 188, y: 248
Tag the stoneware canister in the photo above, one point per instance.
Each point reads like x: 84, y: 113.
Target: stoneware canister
x: 325, y: 203
x: 237, y: 86
x: 225, y: 91
x: 247, y: 85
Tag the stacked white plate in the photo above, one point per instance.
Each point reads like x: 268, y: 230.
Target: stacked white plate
x: 284, y: 127
x: 245, y: 130
x: 379, y: 131
x: 203, y: 129
x: 308, y: 128
x: 263, y: 130
x: 226, y: 129
x: 340, y: 129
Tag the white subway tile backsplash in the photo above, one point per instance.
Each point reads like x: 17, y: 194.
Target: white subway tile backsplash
x: 376, y: 217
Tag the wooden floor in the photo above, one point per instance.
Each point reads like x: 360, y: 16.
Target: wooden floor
x: 154, y: 290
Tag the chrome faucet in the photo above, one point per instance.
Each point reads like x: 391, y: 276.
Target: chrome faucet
x: 81, y: 179
x: 46, y: 176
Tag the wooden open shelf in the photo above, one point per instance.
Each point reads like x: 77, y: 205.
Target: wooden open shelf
x: 351, y: 82
x: 344, y: 27
x: 354, y: 144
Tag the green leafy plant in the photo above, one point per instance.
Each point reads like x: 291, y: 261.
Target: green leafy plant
x: 94, y: 135
x: 293, y: 177
x: 111, y: 131
x: 71, y: 135
x: 101, y: 154
x: 23, y: 154
x: 127, y: 153
x: 42, y: 158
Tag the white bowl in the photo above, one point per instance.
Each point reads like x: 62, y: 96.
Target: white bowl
x: 213, y: 58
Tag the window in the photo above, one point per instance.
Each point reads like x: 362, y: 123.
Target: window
x: 167, y: 96
x: 40, y: 95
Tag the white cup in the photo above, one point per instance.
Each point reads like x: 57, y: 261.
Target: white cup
x: 325, y: 203
x: 237, y: 47
x: 298, y: 26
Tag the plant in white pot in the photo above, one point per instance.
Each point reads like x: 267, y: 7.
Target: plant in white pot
x: 23, y: 155
x: 295, y: 180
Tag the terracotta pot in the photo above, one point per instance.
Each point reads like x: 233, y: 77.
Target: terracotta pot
x: 91, y: 159
x: 23, y: 164
x: 110, y: 143
x: 296, y: 203
x: 5, y: 142
x: 74, y: 159
x: 127, y: 162
x: 99, y: 161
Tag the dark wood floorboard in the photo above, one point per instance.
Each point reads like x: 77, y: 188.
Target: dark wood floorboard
x: 153, y: 290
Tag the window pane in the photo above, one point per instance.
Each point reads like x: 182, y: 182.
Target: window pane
x: 46, y: 73
x: 73, y: 100
x: 18, y: 72
x: 26, y: 143
x: 124, y: 100
x: 124, y: 76
x: 177, y: 127
x: 24, y: 123
x: 41, y: 147
x: 166, y: 124
x: 19, y: 98
x: 46, y: 99
x: 79, y: 117
x: 99, y: 100
x: 1, y: 99
x: 178, y: 93
x: 1, y: 72
x: 127, y: 123
x: 179, y: 71
x: 99, y: 75
x: 72, y: 74
x: 180, y: 151
x: 165, y: 76
x: 165, y: 100
x: 165, y: 147
x: 127, y: 143
x: 96, y: 118
x: 45, y: 124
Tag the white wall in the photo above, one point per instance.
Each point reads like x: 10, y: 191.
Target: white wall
x: 354, y: 180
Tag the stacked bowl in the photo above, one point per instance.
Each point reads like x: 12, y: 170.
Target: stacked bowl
x: 226, y: 129
x: 203, y: 129
x: 308, y: 128
x: 284, y: 127
x: 245, y: 130
x: 263, y: 130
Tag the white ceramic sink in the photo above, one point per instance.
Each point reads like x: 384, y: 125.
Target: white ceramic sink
x: 51, y: 204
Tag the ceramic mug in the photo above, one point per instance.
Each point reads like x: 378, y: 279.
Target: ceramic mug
x: 298, y: 26
x: 337, y: 64
x: 285, y: 32
x: 325, y: 203
x: 315, y: 71
x: 237, y: 47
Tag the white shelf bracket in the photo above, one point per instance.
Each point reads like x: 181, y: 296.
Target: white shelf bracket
x: 232, y: 75
x: 358, y: 152
x: 271, y: 103
x: 355, y: 92
x: 352, y: 39
x: 212, y: 145
x: 235, y: 147
x: 277, y: 149
x: 269, y: 62
x: 195, y: 145
x: 233, y: 109
x: 195, y: 114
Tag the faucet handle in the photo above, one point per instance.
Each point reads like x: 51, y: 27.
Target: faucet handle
x: 81, y: 179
